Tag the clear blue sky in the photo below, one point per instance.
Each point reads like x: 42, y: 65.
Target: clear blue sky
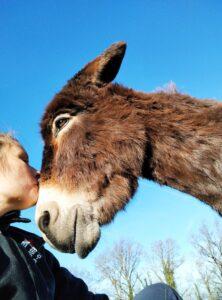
x: 43, y: 43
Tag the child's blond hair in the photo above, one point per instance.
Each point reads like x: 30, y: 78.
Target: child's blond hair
x: 6, y: 142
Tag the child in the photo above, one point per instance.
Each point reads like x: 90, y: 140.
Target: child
x: 27, y: 270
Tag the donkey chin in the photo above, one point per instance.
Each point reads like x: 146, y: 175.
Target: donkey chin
x: 66, y: 227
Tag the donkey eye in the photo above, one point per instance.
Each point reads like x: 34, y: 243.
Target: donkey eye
x: 60, y: 123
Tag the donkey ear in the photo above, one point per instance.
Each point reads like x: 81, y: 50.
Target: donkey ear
x: 105, y: 67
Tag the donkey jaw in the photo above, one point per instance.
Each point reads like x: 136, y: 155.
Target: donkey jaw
x: 72, y: 226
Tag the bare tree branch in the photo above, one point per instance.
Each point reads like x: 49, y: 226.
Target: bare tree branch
x: 208, y: 244
x: 165, y: 261
x: 120, y: 266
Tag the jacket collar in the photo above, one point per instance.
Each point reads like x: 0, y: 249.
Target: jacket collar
x: 12, y: 217
x: 18, y: 234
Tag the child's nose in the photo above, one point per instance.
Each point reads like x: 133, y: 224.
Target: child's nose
x: 37, y: 176
x: 36, y: 173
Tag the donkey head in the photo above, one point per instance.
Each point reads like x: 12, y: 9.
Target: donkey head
x: 93, y: 154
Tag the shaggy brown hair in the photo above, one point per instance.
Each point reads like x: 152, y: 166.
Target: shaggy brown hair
x: 121, y: 134
x: 7, y: 141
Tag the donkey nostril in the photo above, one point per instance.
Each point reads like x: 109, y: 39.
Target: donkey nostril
x: 44, y: 221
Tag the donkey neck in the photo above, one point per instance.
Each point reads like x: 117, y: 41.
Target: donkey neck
x: 183, y: 143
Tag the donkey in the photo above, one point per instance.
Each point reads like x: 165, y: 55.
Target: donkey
x: 100, y: 137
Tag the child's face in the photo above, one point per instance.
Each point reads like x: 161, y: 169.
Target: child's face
x: 18, y: 180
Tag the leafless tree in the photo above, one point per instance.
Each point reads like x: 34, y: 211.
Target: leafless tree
x: 165, y: 261
x: 168, y: 88
x: 91, y: 278
x: 208, y: 244
x: 120, y: 266
x: 144, y: 278
x: 197, y: 292
x: 123, y: 268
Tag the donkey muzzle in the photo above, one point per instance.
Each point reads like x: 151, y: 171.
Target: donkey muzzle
x: 68, y: 230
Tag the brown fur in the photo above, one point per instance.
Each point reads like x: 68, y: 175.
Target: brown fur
x: 122, y: 134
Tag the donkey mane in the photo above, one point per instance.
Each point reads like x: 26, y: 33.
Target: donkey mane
x: 183, y: 135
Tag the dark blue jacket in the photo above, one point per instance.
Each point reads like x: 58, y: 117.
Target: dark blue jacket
x: 29, y: 272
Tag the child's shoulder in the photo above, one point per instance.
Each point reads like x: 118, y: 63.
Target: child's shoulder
x: 15, y: 233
